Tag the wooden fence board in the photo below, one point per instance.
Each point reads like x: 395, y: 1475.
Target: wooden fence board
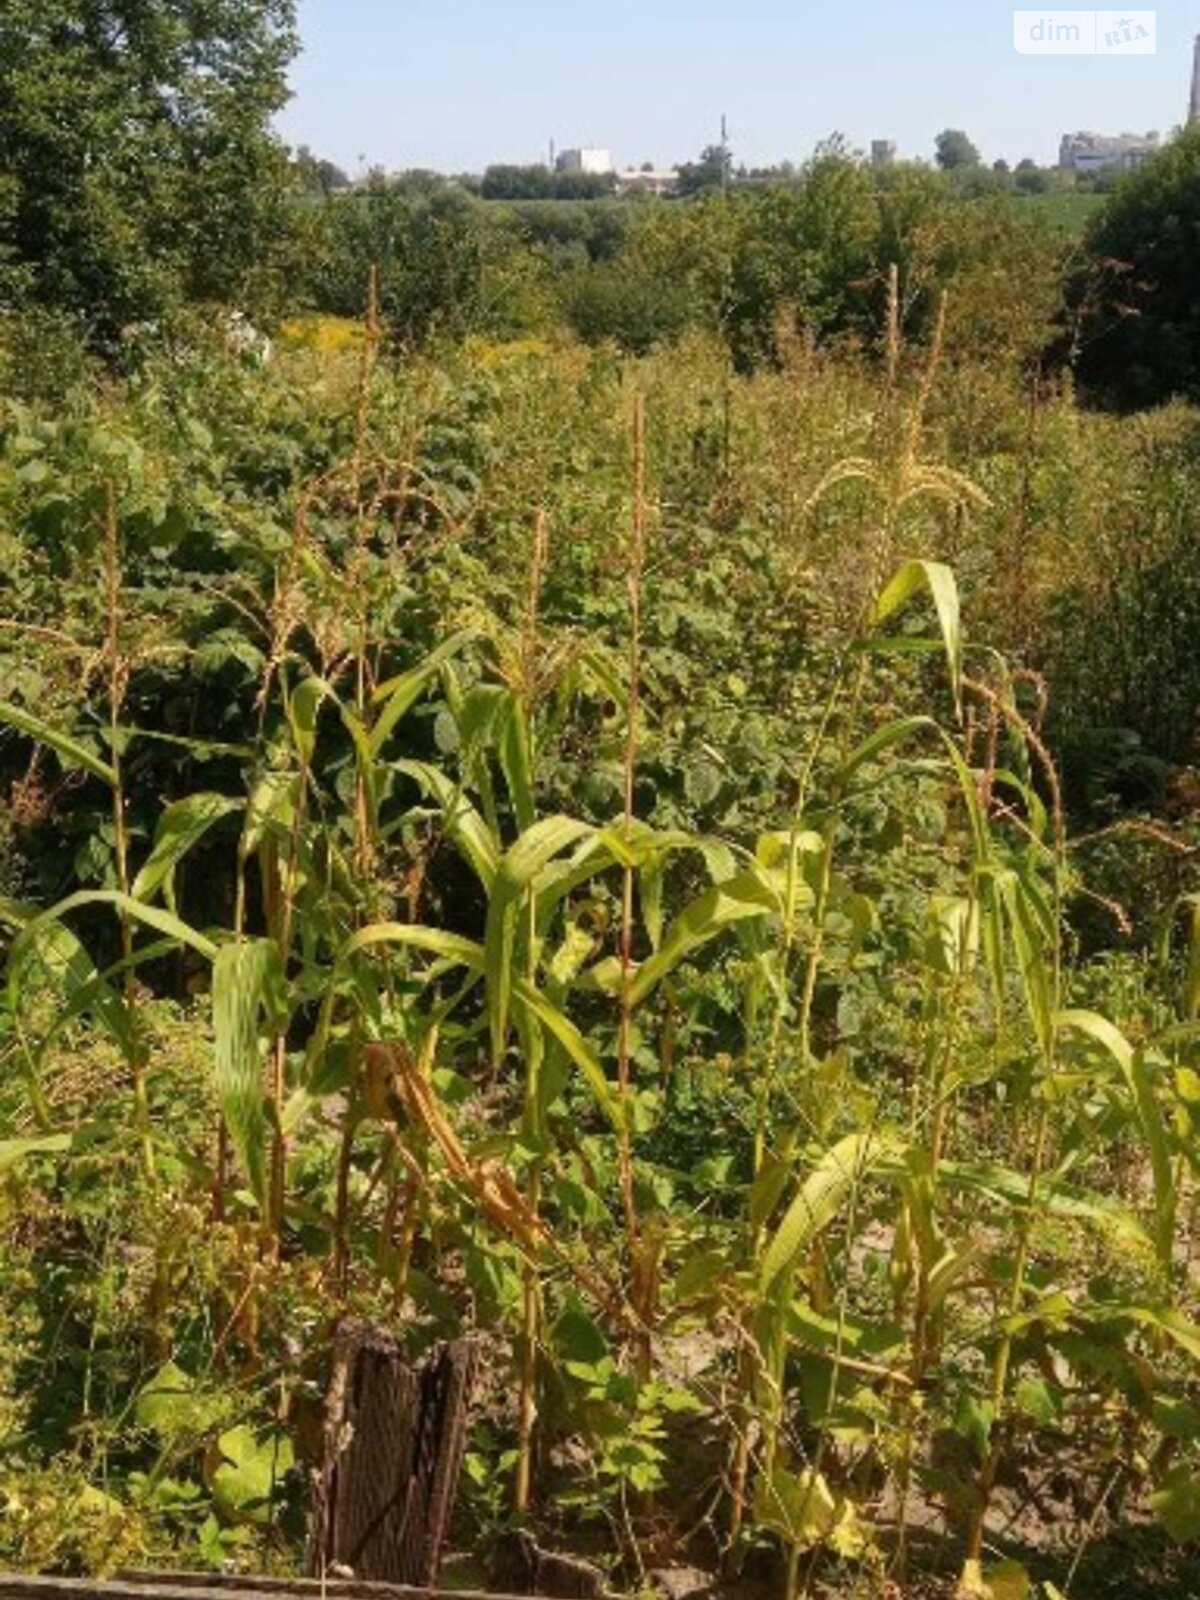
x: 394, y: 1441
x: 217, y: 1586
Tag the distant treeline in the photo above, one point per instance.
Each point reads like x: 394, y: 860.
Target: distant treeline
x: 140, y: 182
x: 808, y: 256
x: 1036, y: 268
x: 714, y: 169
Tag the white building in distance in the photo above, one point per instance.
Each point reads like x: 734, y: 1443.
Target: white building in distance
x: 647, y: 180
x: 1100, y: 152
x: 883, y: 152
x: 594, y: 163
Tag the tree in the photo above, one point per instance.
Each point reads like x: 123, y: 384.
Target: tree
x: 954, y: 149
x: 508, y: 182
x: 318, y: 176
x: 137, y: 165
x: 712, y: 171
x: 541, y: 182
x: 1137, y: 307
x: 583, y: 185
x: 1032, y: 179
x: 447, y: 264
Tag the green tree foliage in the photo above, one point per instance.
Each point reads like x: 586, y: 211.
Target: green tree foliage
x: 568, y: 235
x: 711, y: 170
x: 317, y: 175
x: 819, y: 263
x: 954, y: 149
x: 808, y: 249
x: 1137, y: 304
x: 814, y: 255
x: 1032, y: 179
x: 623, y: 302
x: 446, y: 265
x: 540, y: 182
x: 136, y: 163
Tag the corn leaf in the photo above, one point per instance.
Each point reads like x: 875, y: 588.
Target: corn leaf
x: 1054, y: 1197
x: 939, y: 581
x: 400, y: 694
x: 564, y: 1031
x: 451, y: 947
x: 1182, y: 1333
x: 14, y: 1151
x: 181, y: 826
x: 68, y: 966
x: 463, y: 822
x: 201, y: 749
x: 1176, y: 1503
x: 516, y: 761
x: 742, y: 897
x: 821, y: 1197
x: 164, y: 922
x: 538, y: 846
x: 243, y: 974
x: 271, y: 805
x: 1132, y: 1066
x: 880, y: 742
x: 99, y: 997
x: 69, y: 750
x: 530, y: 855
x: 303, y: 709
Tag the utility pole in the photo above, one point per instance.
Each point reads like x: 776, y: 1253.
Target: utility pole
x: 1194, y: 105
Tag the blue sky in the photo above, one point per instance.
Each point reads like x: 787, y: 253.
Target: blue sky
x: 459, y: 84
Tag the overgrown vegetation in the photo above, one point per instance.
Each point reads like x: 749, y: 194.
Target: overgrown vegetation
x: 490, y: 868
x: 809, y: 255
x: 632, y: 791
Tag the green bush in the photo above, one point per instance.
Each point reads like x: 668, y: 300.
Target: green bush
x: 1135, y: 328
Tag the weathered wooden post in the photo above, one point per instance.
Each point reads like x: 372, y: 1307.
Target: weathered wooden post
x: 394, y: 1441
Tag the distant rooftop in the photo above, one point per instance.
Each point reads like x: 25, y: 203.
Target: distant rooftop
x: 1089, y: 152
x: 649, y: 180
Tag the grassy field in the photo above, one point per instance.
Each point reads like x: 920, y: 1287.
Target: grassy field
x: 1066, y: 210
